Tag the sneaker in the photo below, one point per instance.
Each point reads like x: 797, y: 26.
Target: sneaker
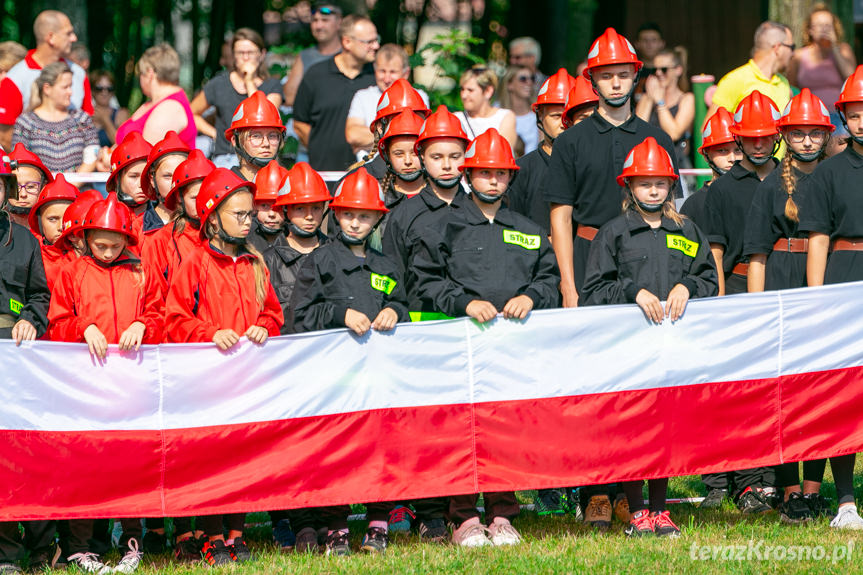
x: 338, y: 544
x: 433, y: 531
x: 549, y: 502
x: 663, y: 525
x: 640, y: 524
x: 598, y: 512
x: 471, y: 533
x: 569, y: 500
x: 216, y: 553
x: 772, y: 497
x: 130, y: 561
x: 154, y: 543
x: 714, y: 499
x: 88, y: 563
x: 621, y: 508
x: 501, y: 532
x: 239, y: 551
x: 795, y: 510
x: 190, y: 549
x: 847, y: 518
x: 818, y: 505
x: 307, y: 541
x: 752, y: 502
x: 375, y: 540
x: 401, y: 518
x: 283, y: 535
x: 9, y: 569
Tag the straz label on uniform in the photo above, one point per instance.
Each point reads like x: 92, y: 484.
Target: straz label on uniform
x: 385, y: 284
x: 686, y: 246
x: 16, y: 306
x: 526, y: 241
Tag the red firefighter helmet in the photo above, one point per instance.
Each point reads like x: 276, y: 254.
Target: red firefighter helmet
x: 647, y: 159
x: 359, y: 191
x: 554, y: 89
x: 217, y: 186
x: 255, y: 112
x: 441, y: 124
x: 193, y: 169
x: 806, y: 109
x: 57, y: 191
x: 74, y: 216
x: 489, y: 150
x: 756, y: 116
x: 581, y: 94
x: 852, y: 89
x: 400, y: 96
x: 609, y: 49
x: 111, y: 215
x: 21, y: 156
x: 268, y: 182
x: 717, y: 131
x: 133, y: 148
x: 303, y: 186
x: 170, y: 144
x: 406, y: 123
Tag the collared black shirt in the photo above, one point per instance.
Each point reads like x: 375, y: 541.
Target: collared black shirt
x: 693, y: 207
x: 726, y: 207
x: 333, y: 280
x: 284, y: 263
x: 766, y: 221
x: 586, y: 160
x: 23, y: 288
x: 323, y: 100
x: 407, y: 224
x: 526, y: 195
x: 261, y: 241
x: 628, y: 255
x: 470, y: 258
x: 833, y: 199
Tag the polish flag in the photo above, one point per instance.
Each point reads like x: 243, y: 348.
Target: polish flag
x: 568, y: 397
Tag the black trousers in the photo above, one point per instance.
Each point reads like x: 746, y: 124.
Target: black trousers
x: 37, y: 534
x: 214, y: 525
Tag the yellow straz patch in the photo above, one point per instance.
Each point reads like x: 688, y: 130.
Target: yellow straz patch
x: 385, y: 284
x: 526, y: 241
x: 15, y: 305
x: 686, y: 246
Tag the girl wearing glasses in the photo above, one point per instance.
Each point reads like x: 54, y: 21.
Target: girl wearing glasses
x: 226, y: 90
x: 667, y: 102
x: 778, y: 250
x: 107, y: 114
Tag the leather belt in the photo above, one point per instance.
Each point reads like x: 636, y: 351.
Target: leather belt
x: 586, y: 232
x: 848, y: 245
x: 793, y: 245
x: 741, y: 269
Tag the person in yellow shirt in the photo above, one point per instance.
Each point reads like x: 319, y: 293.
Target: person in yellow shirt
x: 771, y: 55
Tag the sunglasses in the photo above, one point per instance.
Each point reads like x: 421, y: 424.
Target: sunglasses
x: 109, y: 89
x: 526, y: 79
x: 325, y: 10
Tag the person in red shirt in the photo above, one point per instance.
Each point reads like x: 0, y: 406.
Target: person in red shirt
x: 157, y: 180
x: 170, y: 245
x: 127, y: 166
x: 46, y: 223
x: 220, y: 293
x: 106, y: 297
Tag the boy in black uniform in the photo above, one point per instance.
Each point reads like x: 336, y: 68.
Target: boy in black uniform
x: 345, y: 283
x: 676, y: 265
x: 268, y: 221
x: 525, y: 196
x: 727, y: 205
x: 24, y: 299
x: 832, y: 213
x: 720, y: 152
x: 479, y: 261
x: 440, y: 145
x: 583, y: 193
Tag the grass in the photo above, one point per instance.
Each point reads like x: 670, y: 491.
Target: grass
x: 562, y: 545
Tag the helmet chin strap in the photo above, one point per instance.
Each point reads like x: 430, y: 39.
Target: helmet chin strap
x: 446, y: 184
x: 352, y: 241
x: 616, y: 102
x: 228, y: 239
x: 128, y: 200
x: 409, y: 177
x: 267, y: 230
x: 490, y: 198
x: 17, y: 210
x: 254, y: 160
x: 542, y: 129
x: 756, y: 161
x: 714, y: 167
x: 301, y: 233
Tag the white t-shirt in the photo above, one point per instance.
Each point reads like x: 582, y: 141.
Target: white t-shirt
x: 525, y: 127
x: 473, y: 127
x: 365, y: 104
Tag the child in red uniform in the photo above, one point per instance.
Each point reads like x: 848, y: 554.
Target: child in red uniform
x: 677, y: 265
x: 167, y: 247
x: 157, y: 180
x: 127, y: 166
x: 97, y: 296
x: 221, y: 292
x: 46, y: 222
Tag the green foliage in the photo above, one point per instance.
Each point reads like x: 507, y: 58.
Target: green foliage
x: 451, y: 55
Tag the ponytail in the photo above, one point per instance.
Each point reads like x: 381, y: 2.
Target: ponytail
x: 789, y: 182
x: 262, y: 284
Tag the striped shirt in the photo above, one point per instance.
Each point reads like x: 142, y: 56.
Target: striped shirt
x: 60, y: 145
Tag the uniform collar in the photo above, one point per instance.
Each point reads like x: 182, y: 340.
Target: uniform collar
x: 602, y: 125
x: 474, y: 215
x: 739, y: 172
x: 435, y: 203
x: 346, y: 258
x: 242, y: 252
x: 775, y: 80
x: 635, y: 222
x: 855, y: 159
x: 126, y: 258
x: 289, y: 254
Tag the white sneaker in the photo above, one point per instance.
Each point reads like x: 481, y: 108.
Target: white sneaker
x: 847, y: 518
x: 503, y: 533
x: 130, y: 561
x: 472, y: 533
x: 89, y: 563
